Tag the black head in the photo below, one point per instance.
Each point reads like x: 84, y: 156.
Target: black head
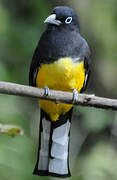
x: 63, y: 16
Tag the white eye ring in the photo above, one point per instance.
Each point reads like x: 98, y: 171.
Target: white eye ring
x: 68, y: 20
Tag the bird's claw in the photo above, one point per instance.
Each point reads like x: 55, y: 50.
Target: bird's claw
x: 75, y: 96
x: 47, y: 91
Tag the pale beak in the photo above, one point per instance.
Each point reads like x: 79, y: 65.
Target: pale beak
x: 52, y: 20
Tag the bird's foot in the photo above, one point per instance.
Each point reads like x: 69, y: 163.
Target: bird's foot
x: 75, y: 96
x: 47, y: 91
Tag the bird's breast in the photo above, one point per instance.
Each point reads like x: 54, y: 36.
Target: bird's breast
x: 62, y: 74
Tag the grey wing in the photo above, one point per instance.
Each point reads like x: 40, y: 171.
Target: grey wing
x: 84, y: 55
x: 35, y: 64
x: 87, y: 61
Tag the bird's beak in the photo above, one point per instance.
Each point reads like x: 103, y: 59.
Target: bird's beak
x: 52, y: 20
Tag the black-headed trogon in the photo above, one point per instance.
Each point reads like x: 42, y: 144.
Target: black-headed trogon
x: 61, y: 62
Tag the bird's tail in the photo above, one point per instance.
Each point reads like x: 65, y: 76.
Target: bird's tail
x: 53, y: 150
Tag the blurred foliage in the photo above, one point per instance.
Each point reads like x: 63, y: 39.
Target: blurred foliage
x: 21, y: 25
x: 11, y: 130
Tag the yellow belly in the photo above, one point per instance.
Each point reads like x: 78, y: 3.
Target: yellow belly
x: 60, y: 75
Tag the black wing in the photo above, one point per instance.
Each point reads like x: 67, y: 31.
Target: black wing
x: 85, y: 51
x: 35, y: 64
x: 84, y: 55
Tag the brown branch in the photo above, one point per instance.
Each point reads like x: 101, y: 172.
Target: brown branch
x: 57, y: 96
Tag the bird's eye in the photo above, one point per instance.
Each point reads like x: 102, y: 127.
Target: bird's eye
x: 68, y: 20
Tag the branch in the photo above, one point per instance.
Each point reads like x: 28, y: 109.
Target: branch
x: 57, y: 96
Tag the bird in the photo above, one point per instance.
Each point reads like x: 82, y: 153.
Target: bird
x: 61, y: 61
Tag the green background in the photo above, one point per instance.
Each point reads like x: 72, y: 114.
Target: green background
x: 94, y: 132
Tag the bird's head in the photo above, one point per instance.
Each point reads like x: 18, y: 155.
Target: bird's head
x: 63, y: 16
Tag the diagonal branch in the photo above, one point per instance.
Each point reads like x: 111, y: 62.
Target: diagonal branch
x: 57, y: 96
